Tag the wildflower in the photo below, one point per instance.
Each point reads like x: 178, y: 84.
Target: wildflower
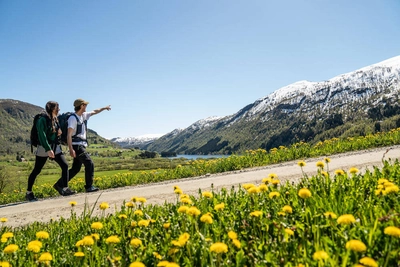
x: 236, y: 243
x: 353, y: 170
x: 178, y: 191
x: 186, y: 200
x: 79, y: 254
x: 5, y: 264
x: 144, y: 223
x: 339, y: 172
x: 327, y: 160
x: 382, y: 181
x: 45, y: 257
x: 281, y: 213
x: 34, y: 246
x: 301, y: 163
x: 256, y: 213
x: 320, y: 164
x: 346, y: 219
x: 392, y: 231
x: 206, y: 218
x: 42, y: 235
x: 176, y: 187
x: 320, y: 255
x: 172, y: 264
x: 287, y: 209
x: 275, y: 181
x: 391, y: 189
x: 162, y: 263
x: 79, y: 243
x: 10, y: 248
x: 134, y: 199
x: 136, y: 242
x: 232, y: 235
x: 157, y: 256
x: 253, y: 190
x: 166, y: 225
x: 87, y: 241
x: 137, y: 264
x: 130, y: 204
x: 104, y: 205
x: 273, y: 194
x: 73, y: 203
x: 3, y: 240
x: 263, y: 187
x: 289, y: 231
x: 207, y: 194
x: 330, y: 215
x: 220, y: 206
x: 356, y: 245
x: 325, y: 174
x: 267, y: 180
x: 138, y: 212
x: 7, y: 235
x: 142, y: 200
x: 95, y: 236
x: 370, y: 262
x: 133, y: 224
x: 113, y: 239
x: 248, y: 186
x: 122, y: 216
x: 3, y: 220
x: 193, y: 211
x: 183, y: 209
x: 97, y: 225
x: 304, y: 193
x: 273, y: 175
x: 219, y: 248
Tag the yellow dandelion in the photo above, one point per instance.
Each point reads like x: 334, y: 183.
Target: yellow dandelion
x: 339, y: 172
x: 88, y: 241
x: 220, y: 206
x: 176, y: 187
x: 162, y: 263
x: 275, y: 181
x: 356, y: 245
x: 42, y: 235
x: 79, y: 254
x: 367, y: 261
x: 95, y: 236
x: 391, y: 189
x: 232, y: 235
x: 5, y: 264
x: 353, y: 170
x: 130, y: 204
x: 253, y: 190
x: 193, y: 211
x: 73, y: 203
x: 3, y: 220
x: 133, y: 224
x: 122, y: 216
x: 141, y: 199
x: 263, y: 188
x: 207, y: 194
x: 137, y: 264
x: 45, y: 257
x: 305, y: 193
x: 256, y: 213
x: 7, y: 235
x: 236, y: 243
x: 104, y: 205
x: 273, y: 175
x: 392, y: 231
x: 136, y: 242
x: 382, y: 181
x: 183, y: 209
x: 320, y: 164
x: 97, y: 225
x: 206, y: 218
x: 266, y: 180
x: 219, y: 248
x: 166, y: 225
x: 34, y: 246
x: 172, y: 264
x: 327, y: 160
x: 301, y: 163
x: 113, y: 239
x: 178, y: 191
x: 346, y: 219
x: 289, y: 231
x: 10, y: 249
x: 144, y: 223
x: 138, y: 212
x: 273, y: 195
x: 330, y: 215
x: 248, y: 186
x: 325, y: 174
x: 186, y: 200
x: 281, y: 213
x: 320, y: 255
x: 287, y: 209
x: 157, y: 256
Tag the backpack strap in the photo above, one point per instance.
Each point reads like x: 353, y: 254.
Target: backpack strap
x: 75, y: 138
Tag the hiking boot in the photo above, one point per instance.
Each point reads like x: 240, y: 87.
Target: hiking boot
x: 92, y: 189
x: 67, y: 191
x: 58, y: 188
x: 30, y: 197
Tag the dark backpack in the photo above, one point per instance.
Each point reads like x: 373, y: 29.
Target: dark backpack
x: 63, y: 122
x: 34, y: 133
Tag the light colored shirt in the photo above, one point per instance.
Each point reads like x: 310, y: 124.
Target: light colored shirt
x: 73, y: 123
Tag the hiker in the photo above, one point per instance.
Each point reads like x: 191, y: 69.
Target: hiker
x: 49, y: 147
x: 77, y: 143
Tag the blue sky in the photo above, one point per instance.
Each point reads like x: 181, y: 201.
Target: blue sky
x: 164, y: 64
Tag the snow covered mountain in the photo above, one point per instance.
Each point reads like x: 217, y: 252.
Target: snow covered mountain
x: 302, y: 111
x: 138, y: 141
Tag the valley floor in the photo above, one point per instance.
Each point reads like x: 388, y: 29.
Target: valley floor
x: 20, y: 214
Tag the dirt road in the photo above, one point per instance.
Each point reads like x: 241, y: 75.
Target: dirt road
x: 21, y: 214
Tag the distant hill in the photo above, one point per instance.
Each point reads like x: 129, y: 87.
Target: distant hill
x: 16, y: 119
x: 361, y: 102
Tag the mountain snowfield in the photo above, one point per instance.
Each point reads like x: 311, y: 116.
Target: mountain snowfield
x: 303, y: 96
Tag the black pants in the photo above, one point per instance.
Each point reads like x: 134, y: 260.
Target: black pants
x: 82, y: 157
x: 39, y: 163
